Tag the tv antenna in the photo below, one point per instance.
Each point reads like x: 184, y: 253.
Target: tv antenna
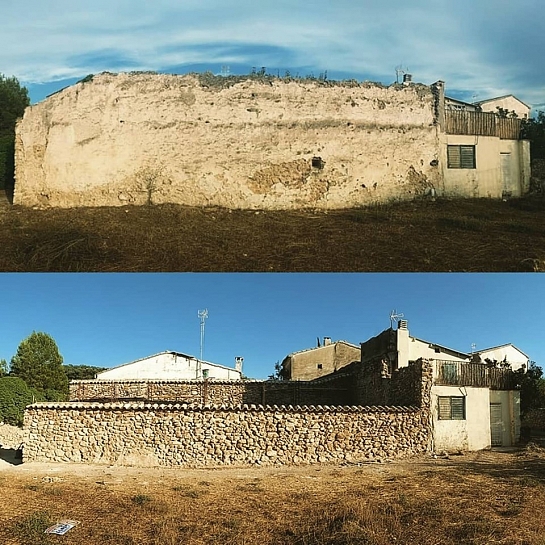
x: 394, y: 316
x: 225, y: 70
x: 473, y: 346
x: 400, y: 71
x: 203, y: 315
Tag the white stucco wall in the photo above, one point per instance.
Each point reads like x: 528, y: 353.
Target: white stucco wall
x: 411, y: 349
x: 168, y: 366
x: 486, y: 179
x: 473, y: 433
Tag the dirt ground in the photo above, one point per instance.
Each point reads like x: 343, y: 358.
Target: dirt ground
x: 482, y: 497
x: 473, y: 235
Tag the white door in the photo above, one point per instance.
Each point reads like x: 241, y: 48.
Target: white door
x: 496, y: 425
x: 506, y: 174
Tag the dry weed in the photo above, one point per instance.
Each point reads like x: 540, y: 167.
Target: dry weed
x: 443, y: 235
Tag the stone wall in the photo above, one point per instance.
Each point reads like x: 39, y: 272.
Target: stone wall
x: 182, y: 435
x: 374, y: 384
x: 334, y: 390
x: 200, y: 435
x: 11, y: 437
x: 240, y: 143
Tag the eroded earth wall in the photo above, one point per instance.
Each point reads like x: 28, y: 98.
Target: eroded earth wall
x: 240, y: 143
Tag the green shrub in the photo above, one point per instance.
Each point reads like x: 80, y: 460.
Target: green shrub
x: 15, y: 395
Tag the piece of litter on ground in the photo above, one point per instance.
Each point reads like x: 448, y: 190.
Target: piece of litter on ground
x: 61, y: 527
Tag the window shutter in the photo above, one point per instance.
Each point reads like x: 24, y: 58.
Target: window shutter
x: 457, y: 408
x: 453, y: 153
x: 444, y: 408
x: 461, y: 157
x: 467, y: 156
x: 451, y: 408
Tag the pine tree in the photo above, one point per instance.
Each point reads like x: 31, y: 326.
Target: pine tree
x: 39, y: 363
x: 13, y: 101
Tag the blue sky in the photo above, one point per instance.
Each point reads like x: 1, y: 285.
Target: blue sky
x: 481, y: 48
x: 111, y: 319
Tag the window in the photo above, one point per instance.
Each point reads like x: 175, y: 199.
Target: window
x: 461, y: 157
x: 320, y: 366
x: 452, y: 408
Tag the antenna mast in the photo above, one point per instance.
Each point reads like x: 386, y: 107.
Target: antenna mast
x: 202, y: 314
x: 394, y: 316
x: 400, y: 71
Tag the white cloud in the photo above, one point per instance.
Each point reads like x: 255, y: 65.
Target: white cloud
x: 54, y: 39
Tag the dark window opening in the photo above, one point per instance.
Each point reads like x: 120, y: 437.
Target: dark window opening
x: 461, y: 157
x: 318, y: 162
x: 320, y: 366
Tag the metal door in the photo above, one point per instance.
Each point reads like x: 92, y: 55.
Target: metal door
x: 496, y: 425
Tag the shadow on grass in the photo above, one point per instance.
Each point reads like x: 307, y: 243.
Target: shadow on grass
x: 440, y: 236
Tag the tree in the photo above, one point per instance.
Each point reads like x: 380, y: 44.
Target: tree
x: 3, y: 368
x: 533, y: 129
x: 82, y: 372
x: 279, y: 372
x: 13, y: 101
x: 39, y: 363
x: 15, y: 395
x: 532, y: 388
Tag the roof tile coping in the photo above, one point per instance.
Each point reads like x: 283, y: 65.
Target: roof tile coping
x: 163, y: 381
x: 70, y: 405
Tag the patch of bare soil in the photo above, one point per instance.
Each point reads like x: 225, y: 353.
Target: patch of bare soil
x: 442, y: 235
x: 477, y: 498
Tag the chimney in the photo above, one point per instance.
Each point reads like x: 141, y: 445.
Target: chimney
x: 238, y: 363
x: 402, y: 324
x: 327, y: 341
x: 407, y: 79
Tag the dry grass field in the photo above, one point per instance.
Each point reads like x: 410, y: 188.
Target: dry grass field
x: 475, y: 498
x: 443, y: 235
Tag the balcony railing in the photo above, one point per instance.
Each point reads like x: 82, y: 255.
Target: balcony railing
x: 480, y: 375
x: 482, y: 124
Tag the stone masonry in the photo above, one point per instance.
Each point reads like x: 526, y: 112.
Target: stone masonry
x: 334, y: 390
x: 182, y: 435
x: 199, y: 435
x: 255, y: 143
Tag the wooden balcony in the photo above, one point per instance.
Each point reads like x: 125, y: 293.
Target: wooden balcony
x: 479, y: 375
x: 482, y: 124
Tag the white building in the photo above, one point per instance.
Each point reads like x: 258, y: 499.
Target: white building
x: 474, y: 403
x: 510, y: 104
x: 172, y: 366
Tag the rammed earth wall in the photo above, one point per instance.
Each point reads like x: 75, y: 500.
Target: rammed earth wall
x: 240, y: 143
x: 178, y: 435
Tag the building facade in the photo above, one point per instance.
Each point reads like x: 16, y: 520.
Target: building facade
x: 475, y: 403
x: 320, y: 361
x: 170, y: 366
